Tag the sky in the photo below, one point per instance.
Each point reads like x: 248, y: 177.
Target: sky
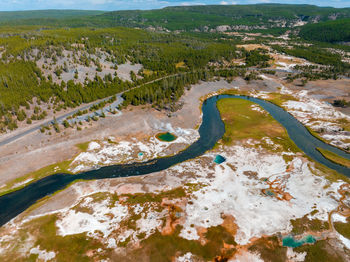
x: 109, y: 5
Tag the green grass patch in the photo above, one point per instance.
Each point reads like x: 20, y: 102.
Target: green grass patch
x: 83, y: 146
x: 269, y: 249
x: 193, y: 187
x: 241, y: 122
x: 334, y: 157
x: 279, y: 99
x: 301, y: 225
x: 320, y: 251
x: 343, y: 229
x: 329, y: 174
x: 344, y: 123
x: 67, y: 248
x: 43, y: 232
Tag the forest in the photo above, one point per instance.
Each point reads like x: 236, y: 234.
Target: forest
x: 164, y: 93
x: 331, y: 31
x: 317, y: 55
x: 22, y: 78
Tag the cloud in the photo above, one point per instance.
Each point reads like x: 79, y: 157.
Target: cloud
x: 191, y: 3
x: 228, y: 3
x: 100, y: 2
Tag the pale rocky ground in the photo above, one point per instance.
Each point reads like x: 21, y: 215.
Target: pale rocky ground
x: 109, y: 152
x: 73, y: 61
x: 214, y: 194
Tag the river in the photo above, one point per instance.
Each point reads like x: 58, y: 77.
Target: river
x: 211, y: 130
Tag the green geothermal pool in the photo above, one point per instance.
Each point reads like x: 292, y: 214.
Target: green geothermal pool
x: 167, y: 137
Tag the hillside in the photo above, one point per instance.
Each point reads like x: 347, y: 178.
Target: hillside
x: 330, y: 31
x: 199, y: 17
x: 236, y: 16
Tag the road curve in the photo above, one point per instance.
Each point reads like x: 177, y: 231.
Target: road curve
x: 87, y: 106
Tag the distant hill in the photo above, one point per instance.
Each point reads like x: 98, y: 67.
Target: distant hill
x: 331, y: 31
x: 201, y: 17
x: 42, y: 14
x: 186, y: 18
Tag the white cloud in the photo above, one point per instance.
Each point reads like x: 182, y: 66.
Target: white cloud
x: 228, y: 3
x: 100, y: 2
x: 191, y: 3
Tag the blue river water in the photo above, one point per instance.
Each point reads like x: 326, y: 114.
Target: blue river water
x: 211, y: 130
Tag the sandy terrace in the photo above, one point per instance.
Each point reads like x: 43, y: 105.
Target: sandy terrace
x: 314, y: 109
x: 328, y: 90
x: 286, y: 62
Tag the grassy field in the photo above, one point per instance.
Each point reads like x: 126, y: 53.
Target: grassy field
x: 321, y: 251
x: 343, y: 229
x: 46, y: 230
x: 242, y: 123
x: 334, y: 157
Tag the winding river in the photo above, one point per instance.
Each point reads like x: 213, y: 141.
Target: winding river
x: 211, y: 130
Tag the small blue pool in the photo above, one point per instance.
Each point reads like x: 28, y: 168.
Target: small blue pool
x: 219, y: 159
x: 290, y: 241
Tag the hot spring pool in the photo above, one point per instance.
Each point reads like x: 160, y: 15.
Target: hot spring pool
x: 290, y: 241
x: 219, y: 159
x: 167, y: 137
